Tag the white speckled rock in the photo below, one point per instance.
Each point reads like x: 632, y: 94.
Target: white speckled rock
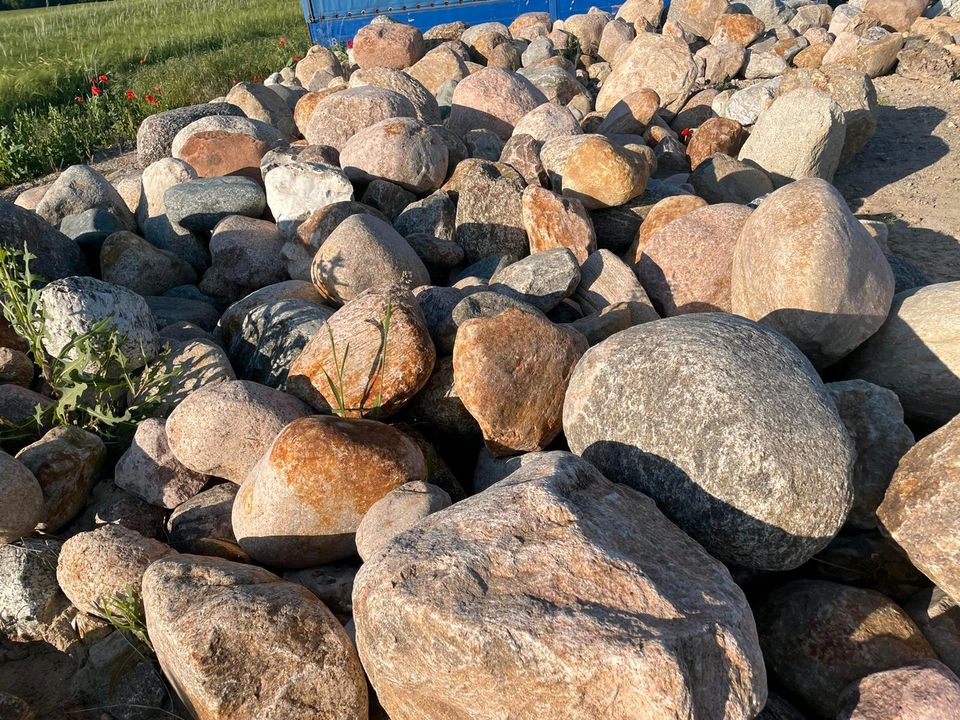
x: 726, y: 425
x: 73, y: 305
x: 296, y: 189
x: 555, y: 593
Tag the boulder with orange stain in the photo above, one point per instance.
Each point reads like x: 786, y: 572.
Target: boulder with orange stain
x: 303, y: 502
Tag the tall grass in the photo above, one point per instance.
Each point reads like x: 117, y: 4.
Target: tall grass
x: 181, y: 51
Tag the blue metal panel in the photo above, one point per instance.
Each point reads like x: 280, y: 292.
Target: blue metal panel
x: 333, y: 21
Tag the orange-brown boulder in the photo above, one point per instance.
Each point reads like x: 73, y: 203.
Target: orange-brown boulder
x: 375, y: 350
x: 552, y: 221
x: 686, y: 265
x: 511, y: 372
x: 388, y: 44
x: 663, y: 212
x: 303, y: 502
x: 716, y: 135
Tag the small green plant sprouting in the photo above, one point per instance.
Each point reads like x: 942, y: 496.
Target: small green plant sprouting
x: 340, y: 50
x: 89, y: 381
x: 573, y: 50
x: 336, y: 382
x: 124, y: 611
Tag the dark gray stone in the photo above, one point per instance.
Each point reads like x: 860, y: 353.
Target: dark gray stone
x: 57, y: 255
x: 726, y: 425
x: 906, y: 275
x: 874, y: 418
x: 168, y: 310
x: 271, y: 337
x: 437, y: 304
x: 488, y: 304
x: 202, y: 524
x: 434, y: 215
x: 198, y: 205
x: 387, y: 197
x: 543, y: 279
x: 724, y: 179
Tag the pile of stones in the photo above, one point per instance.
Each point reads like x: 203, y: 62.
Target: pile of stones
x: 520, y: 372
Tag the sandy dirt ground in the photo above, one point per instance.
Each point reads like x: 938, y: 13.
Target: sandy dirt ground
x: 908, y: 175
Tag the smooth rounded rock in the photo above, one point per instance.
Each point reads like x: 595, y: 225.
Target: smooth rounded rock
x: 594, y: 170
x: 364, y: 253
x: 149, y: 470
x: 922, y: 690
x: 511, y: 372
x: 666, y: 406
x: 874, y: 419
x: 807, y: 268
x: 200, y: 204
x: 130, y: 261
x: 389, y: 44
x: 204, y: 443
x: 655, y: 62
x: 303, y: 502
x: 95, y: 567
x: 404, y: 151
x: 341, y: 115
x: 372, y: 379
x: 492, y: 99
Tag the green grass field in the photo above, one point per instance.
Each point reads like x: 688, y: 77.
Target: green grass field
x: 180, y: 51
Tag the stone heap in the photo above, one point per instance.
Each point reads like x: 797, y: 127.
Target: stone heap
x: 528, y: 371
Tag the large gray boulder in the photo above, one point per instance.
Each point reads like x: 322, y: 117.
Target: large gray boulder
x: 555, y: 593
x: 57, y: 255
x: 726, y: 425
x: 800, y: 135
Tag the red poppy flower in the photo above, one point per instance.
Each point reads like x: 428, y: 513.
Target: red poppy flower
x: 296, y: 58
x: 143, y: 61
x: 131, y: 95
x: 151, y: 99
x: 104, y: 78
x: 95, y: 90
x: 349, y: 43
x: 79, y: 100
x: 233, y: 82
x: 283, y: 41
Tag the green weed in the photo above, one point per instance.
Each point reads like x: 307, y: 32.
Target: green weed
x: 89, y: 380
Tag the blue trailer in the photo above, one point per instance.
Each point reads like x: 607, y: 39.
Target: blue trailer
x: 333, y: 21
